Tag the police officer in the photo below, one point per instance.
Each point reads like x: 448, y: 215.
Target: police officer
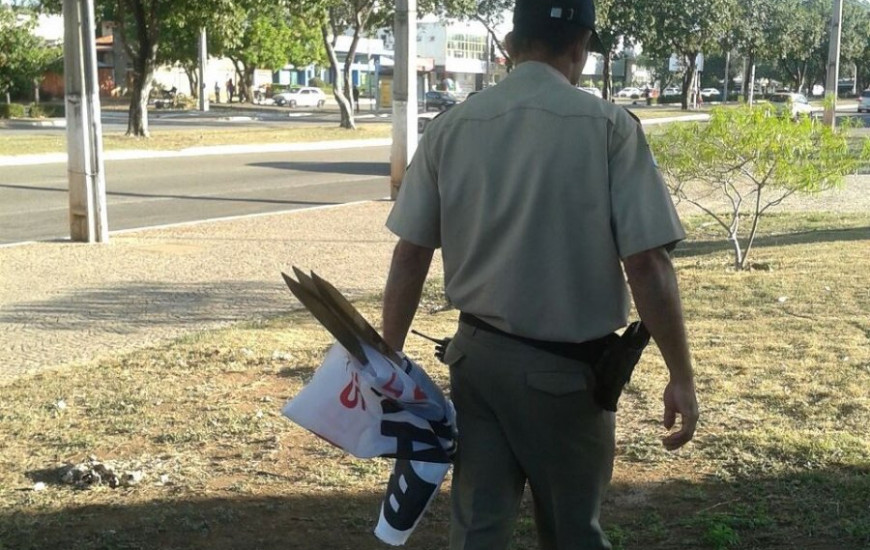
x: 538, y: 196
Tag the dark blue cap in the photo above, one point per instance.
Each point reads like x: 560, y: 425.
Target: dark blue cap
x: 578, y: 12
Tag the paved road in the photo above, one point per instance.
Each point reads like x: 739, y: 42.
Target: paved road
x: 149, y: 192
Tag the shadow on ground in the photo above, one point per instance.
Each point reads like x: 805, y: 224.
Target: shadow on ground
x: 807, y: 510
x: 128, y: 308
x: 349, y: 168
x: 690, y: 248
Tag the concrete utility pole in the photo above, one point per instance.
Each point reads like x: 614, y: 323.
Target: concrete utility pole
x: 85, y: 170
x: 404, y: 93
x: 727, y: 73
x: 203, y: 61
x: 833, y: 79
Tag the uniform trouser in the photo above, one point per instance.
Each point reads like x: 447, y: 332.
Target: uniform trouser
x: 525, y: 415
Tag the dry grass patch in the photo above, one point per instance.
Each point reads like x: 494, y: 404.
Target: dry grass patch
x: 13, y: 143
x: 781, y: 460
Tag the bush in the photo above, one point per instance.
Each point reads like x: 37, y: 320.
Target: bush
x: 669, y: 99
x: 12, y: 110
x: 47, y: 110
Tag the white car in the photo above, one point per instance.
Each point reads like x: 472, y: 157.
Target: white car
x: 864, y: 102
x: 671, y: 91
x: 796, y: 104
x: 710, y: 92
x: 301, y: 97
x: 591, y: 90
x: 633, y: 93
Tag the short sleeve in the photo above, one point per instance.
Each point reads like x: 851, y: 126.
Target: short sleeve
x: 643, y: 216
x: 416, y: 216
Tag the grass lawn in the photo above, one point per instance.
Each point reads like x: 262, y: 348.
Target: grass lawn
x: 13, y: 143
x: 781, y: 459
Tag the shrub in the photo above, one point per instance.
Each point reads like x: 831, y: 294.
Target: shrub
x: 748, y: 160
x: 12, y: 110
x: 47, y: 110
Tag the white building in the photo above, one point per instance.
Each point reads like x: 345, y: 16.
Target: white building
x: 461, y: 52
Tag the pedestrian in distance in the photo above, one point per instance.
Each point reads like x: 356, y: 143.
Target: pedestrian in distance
x: 356, y: 98
x: 231, y: 90
x: 217, y: 92
x: 539, y: 195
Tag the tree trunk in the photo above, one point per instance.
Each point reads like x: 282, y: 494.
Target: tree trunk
x: 498, y: 43
x: 688, y: 80
x: 347, y: 118
x: 739, y: 258
x: 137, y: 122
x: 247, y: 85
x: 192, y: 73
x: 751, y: 96
x: 607, y: 74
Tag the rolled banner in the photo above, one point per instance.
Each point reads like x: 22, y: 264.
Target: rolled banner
x: 412, y: 487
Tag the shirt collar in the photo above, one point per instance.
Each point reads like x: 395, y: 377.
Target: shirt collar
x: 540, y: 66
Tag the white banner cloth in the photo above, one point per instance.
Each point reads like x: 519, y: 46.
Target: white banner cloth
x: 387, y: 410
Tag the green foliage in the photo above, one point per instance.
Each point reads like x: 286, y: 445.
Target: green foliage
x: 23, y: 56
x: 47, y: 110
x: 746, y: 161
x: 684, y: 28
x: 720, y: 536
x: 12, y: 110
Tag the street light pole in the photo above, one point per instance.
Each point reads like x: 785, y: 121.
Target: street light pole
x: 203, y: 61
x: 404, y: 93
x: 833, y: 76
x: 85, y: 170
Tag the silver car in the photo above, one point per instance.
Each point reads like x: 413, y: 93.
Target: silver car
x: 301, y: 97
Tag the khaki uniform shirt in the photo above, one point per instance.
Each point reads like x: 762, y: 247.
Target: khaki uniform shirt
x: 535, y: 190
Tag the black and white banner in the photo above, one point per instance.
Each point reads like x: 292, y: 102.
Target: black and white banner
x: 383, y: 410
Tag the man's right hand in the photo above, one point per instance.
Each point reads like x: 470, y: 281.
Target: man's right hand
x: 680, y: 400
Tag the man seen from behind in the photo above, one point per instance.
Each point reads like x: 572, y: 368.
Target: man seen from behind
x: 539, y: 196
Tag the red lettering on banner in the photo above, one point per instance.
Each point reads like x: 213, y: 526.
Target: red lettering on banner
x: 388, y: 387
x: 419, y: 394
x: 351, y: 396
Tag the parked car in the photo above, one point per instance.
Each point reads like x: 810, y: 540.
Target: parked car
x: 423, y: 120
x: 793, y: 103
x: 672, y: 91
x: 299, y: 96
x: 633, y: 93
x: 591, y: 90
x: 864, y: 102
x: 708, y: 93
x: 440, y: 101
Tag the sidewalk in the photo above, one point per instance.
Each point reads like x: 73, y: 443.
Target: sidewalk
x: 63, y: 303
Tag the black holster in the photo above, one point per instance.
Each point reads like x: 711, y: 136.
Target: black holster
x: 614, y: 368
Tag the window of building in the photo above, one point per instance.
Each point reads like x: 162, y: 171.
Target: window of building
x: 466, y: 46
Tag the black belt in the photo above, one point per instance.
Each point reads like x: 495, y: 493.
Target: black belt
x: 587, y: 352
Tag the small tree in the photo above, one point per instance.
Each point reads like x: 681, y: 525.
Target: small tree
x: 745, y: 161
x: 24, y: 57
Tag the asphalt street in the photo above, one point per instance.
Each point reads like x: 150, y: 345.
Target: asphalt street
x: 148, y: 192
